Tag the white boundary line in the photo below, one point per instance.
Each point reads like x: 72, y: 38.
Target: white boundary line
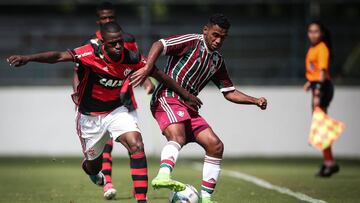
x: 264, y: 184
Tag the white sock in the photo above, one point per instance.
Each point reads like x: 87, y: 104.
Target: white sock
x: 211, y: 173
x: 169, y: 156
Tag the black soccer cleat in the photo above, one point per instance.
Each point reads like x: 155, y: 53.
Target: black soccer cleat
x: 328, y: 171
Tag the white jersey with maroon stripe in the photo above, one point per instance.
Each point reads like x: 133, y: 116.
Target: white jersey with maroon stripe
x: 192, y: 65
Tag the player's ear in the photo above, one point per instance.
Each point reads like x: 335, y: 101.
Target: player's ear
x: 205, y: 30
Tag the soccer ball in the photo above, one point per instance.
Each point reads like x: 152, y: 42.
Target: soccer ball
x: 189, y: 195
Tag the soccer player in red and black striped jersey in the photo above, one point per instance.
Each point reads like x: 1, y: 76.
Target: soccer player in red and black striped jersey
x: 105, y: 13
x: 193, y: 61
x: 102, y: 114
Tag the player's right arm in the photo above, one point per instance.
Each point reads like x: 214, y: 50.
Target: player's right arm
x: 174, y: 46
x: 45, y: 57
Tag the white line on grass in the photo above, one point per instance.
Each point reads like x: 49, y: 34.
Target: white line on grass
x: 264, y: 184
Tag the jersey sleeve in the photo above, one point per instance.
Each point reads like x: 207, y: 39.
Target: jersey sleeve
x: 323, y: 58
x: 130, y: 42
x: 222, y: 80
x: 83, y: 55
x: 179, y: 45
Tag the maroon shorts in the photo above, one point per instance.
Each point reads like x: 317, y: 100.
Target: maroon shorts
x: 169, y: 110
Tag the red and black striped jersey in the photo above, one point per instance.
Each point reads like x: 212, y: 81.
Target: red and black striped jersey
x: 103, y: 82
x: 128, y: 97
x: 192, y: 65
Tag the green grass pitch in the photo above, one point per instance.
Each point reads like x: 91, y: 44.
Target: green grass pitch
x: 44, y: 180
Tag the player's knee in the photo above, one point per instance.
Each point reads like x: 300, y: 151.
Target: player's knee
x: 178, y: 139
x: 136, y: 147
x: 215, y: 148
x: 219, y: 148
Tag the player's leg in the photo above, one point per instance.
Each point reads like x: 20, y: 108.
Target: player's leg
x: 138, y: 164
x: 176, y: 137
x: 93, y: 137
x: 124, y: 129
x: 109, y: 190
x: 214, y: 149
x: 174, y: 121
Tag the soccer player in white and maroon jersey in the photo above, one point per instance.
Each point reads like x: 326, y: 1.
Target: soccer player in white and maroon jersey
x: 102, y: 114
x: 193, y: 61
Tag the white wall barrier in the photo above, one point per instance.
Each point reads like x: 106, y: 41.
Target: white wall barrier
x: 40, y: 121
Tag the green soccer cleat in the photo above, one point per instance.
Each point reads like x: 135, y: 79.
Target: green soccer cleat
x: 164, y: 181
x: 206, y: 200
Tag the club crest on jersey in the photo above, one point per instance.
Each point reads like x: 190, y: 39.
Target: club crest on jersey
x: 127, y: 72
x: 215, y: 63
x: 180, y: 113
x: 110, y: 82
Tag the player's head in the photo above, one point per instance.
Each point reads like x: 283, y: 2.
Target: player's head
x: 215, y: 31
x: 105, y: 13
x: 318, y: 32
x: 113, y: 39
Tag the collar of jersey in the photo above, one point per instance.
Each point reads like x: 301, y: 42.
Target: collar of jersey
x: 108, y: 59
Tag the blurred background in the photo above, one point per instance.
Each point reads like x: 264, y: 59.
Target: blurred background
x: 265, y: 54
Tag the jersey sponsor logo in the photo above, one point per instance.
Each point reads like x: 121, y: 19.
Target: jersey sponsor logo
x: 110, y: 82
x: 84, y: 54
x: 127, y: 72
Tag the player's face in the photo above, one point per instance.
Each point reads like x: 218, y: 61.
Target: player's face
x: 105, y: 16
x: 314, y: 33
x: 114, y: 45
x: 214, y: 36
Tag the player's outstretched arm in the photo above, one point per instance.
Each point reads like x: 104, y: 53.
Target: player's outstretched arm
x: 190, y: 99
x: 45, y: 57
x: 140, y: 75
x: 241, y: 98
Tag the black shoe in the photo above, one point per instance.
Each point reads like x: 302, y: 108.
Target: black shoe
x: 327, y: 171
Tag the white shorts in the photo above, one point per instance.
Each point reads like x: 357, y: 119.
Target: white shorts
x: 95, y: 131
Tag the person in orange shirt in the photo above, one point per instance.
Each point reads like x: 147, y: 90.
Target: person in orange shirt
x: 319, y: 82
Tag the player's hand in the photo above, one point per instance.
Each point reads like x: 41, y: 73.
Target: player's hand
x: 17, y: 60
x: 148, y: 86
x: 193, y: 101
x: 307, y: 86
x: 262, y: 103
x: 138, y: 77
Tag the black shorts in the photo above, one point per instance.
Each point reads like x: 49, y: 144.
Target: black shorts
x: 326, y: 92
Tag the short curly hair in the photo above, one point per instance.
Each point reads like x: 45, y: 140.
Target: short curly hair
x: 220, y: 20
x: 104, y: 6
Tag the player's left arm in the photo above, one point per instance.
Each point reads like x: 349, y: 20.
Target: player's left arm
x: 223, y: 82
x: 238, y: 97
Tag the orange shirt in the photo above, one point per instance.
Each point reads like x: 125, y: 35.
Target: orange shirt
x: 317, y: 59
